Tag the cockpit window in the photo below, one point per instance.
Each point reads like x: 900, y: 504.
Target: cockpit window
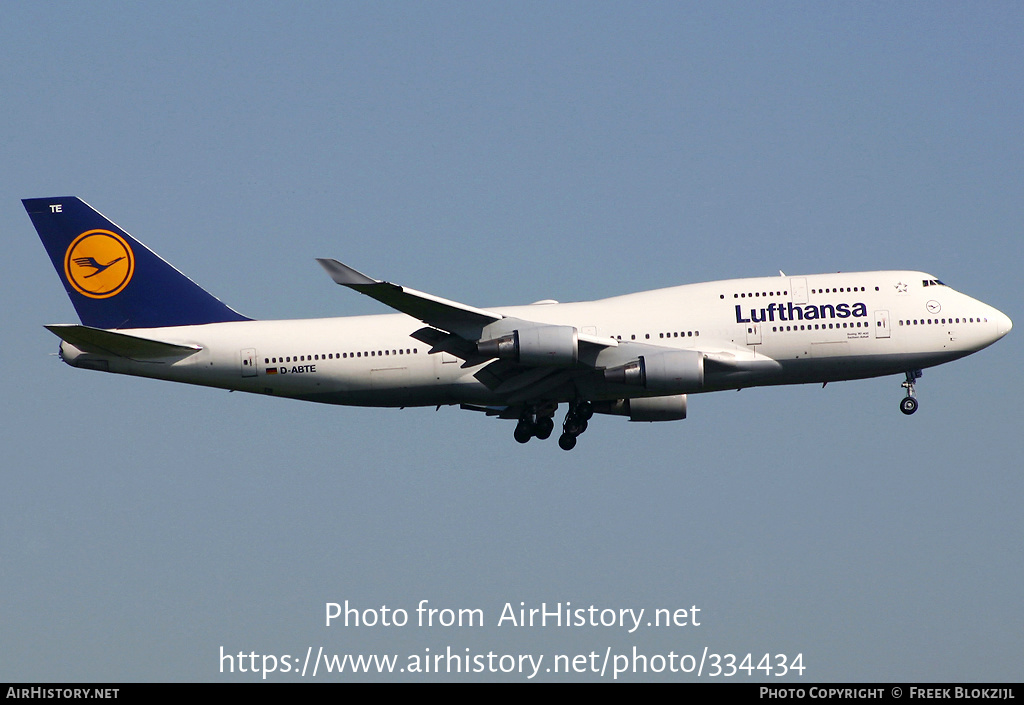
x: 931, y: 282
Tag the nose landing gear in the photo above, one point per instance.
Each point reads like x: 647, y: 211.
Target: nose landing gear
x: 908, y: 404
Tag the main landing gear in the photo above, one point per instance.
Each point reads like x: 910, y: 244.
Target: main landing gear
x: 538, y: 422
x: 909, y: 403
x: 535, y: 422
x: 575, y: 423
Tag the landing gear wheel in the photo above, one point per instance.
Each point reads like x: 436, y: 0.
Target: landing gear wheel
x: 908, y: 405
x: 574, y: 426
x: 575, y: 423
x: 544, y: 428
x: 523, y: 432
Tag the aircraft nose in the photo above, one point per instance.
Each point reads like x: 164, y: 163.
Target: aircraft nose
x: 1003, y: 324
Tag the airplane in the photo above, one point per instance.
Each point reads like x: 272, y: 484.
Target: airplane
x: 636, y: 355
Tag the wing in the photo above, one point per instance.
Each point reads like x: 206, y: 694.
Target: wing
x: 469, y: 323
x: 531, y: 361
x: 533, y: 358
x: 464, y: 321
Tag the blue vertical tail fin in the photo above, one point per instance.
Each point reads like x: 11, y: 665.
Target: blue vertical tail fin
x: 115, y: 281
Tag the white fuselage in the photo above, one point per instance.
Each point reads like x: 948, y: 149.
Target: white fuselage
x: 766, y: 331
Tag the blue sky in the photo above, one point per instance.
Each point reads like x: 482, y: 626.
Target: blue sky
x: 500, y: 154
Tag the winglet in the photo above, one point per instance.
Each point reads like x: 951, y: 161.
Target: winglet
x: 343, y: 274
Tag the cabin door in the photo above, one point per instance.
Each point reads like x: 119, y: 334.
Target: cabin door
x: 753, y: 333
x: 249, y: 362
x: 882, y: 324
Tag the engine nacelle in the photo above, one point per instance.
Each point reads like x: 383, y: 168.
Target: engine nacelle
x: 672, y: 408
x: 553, y: 346
x: 671, y: 371
x: 669, y: 408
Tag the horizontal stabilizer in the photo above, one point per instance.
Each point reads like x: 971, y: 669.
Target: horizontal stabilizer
x: 105, y: 342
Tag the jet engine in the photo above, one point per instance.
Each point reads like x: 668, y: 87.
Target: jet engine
x: 671, y: 371
x: 553, y: 346
x: 669, y: 408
